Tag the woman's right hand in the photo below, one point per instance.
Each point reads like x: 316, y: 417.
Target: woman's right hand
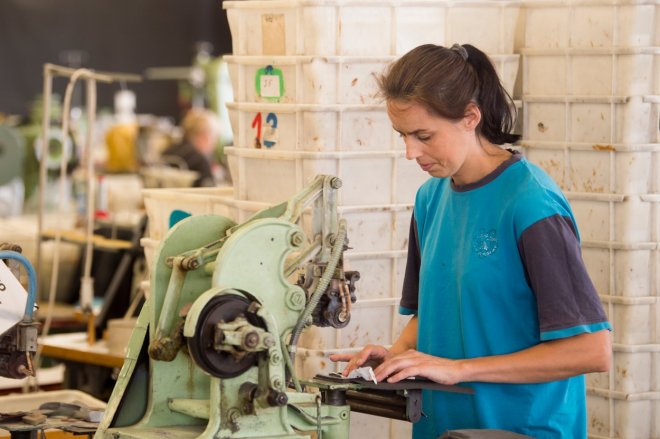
x: 370, y: 355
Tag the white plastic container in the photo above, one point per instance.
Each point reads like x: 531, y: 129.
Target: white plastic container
x: 618, y: 71
x: 620, y: 269
x: 597, y: 120
x: 634, y: 322
x: 382, y: 272
x: 317, y: 128
x: 592, y: 24
x: 369, y: 178
x: 160, y: 203
x: 600, y: 168
x: 621, y: 415
x: 326, y: 80
x: 368, y: 28
x: 375, y: 321
x: 616, y: 218
x: 633, y: 371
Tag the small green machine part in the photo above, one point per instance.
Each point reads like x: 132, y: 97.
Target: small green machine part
x: 212, y: 352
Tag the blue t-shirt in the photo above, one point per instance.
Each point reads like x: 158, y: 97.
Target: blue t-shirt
x: 495, y: 267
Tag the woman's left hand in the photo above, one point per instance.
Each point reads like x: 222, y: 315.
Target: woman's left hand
x: 412, y: 363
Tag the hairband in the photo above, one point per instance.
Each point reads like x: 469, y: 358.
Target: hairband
x: 461, y: 50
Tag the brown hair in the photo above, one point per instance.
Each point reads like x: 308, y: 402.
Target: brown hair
x: 446, y: 80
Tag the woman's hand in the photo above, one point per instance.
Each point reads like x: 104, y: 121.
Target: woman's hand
x: 370, y: 355
x: 412, y: 363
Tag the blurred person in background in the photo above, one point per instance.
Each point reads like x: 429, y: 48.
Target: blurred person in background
x: 196, y: 150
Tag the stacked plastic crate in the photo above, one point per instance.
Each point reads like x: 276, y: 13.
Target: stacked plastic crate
x: 591, y: 80
x: 303, y: 73
x: 304, y: 79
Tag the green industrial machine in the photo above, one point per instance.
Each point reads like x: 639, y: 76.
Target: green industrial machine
x: 211, y: 355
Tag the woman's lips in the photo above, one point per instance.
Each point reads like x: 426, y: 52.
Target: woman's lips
x: 426, y: 167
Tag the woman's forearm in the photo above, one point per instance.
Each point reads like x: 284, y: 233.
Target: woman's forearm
x: 408, y: 338
x: 548, y: 361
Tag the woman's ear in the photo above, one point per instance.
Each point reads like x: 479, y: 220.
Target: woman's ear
x: 472, y: 116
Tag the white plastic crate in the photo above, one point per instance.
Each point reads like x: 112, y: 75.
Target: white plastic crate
x: 633, y: 371
x: 359, y: 28
x: 373, y: 321
x: 310, y: 127
x: 369, y: 178
x: 633, y: 320
x: 325, y: 80
x: 616, y: 218
x: 591, y: 72
x: 625, y: 416
x: 592, y: 24
x: 598, y: 120
x: 381, y: 272
x: 619, y: 269
x: 600, y: 168
x: 160, y: 203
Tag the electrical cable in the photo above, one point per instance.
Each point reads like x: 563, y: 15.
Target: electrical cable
x: 32, y: 281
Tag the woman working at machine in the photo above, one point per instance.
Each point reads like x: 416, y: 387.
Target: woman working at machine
x: 495, y: 282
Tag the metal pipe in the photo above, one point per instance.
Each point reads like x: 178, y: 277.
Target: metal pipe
x: 377, y: 397
x: 45, y: 125
x: 106, y: 77
x: 383, y: 411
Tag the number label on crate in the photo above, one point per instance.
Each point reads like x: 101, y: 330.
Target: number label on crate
x: 270, y: 132
x: 269, y: 83
x: 270, y: 135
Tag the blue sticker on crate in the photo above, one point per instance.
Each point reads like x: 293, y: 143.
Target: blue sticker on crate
x: 178, y: 215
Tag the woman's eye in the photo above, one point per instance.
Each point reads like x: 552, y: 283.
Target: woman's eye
x: 424, y: 138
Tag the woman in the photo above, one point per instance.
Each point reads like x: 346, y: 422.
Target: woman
x: 495, y: 283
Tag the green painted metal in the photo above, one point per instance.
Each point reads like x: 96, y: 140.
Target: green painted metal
x: 220, y: 258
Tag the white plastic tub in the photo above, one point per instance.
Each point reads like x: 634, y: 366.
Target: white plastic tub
x: 375, y: 321
x: 368, y: 28
x: 592, y: 24
x: 591, y: 72
x: 369, y: 178
x: 600, y: 168
x: 632, y: 371
x: 599, y: 120
x: 620, y: 269
x: 616, y: 218
x: 316, y: 128
x: 634, y: 321
x: 160, y: 203
x: 621, y: 415
x: 326, y: 80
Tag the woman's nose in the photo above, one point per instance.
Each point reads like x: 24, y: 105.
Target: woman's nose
x: 412, y: 149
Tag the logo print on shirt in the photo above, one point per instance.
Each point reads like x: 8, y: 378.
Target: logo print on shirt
x: 485, y: 243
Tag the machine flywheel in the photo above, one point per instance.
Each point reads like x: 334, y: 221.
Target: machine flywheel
x: 221, y: 364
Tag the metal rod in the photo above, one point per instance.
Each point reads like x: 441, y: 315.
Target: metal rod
x: 377, y: 397
x: 56, y: 70
x: 386, y: 412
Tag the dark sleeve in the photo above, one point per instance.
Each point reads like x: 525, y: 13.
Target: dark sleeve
x: 409, y: 295
x: 568, y: 303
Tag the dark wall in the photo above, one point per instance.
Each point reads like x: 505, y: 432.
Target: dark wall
x: 115, y: 35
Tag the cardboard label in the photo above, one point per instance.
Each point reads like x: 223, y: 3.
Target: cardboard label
x: 12, y: 299
x: 273, y: 32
